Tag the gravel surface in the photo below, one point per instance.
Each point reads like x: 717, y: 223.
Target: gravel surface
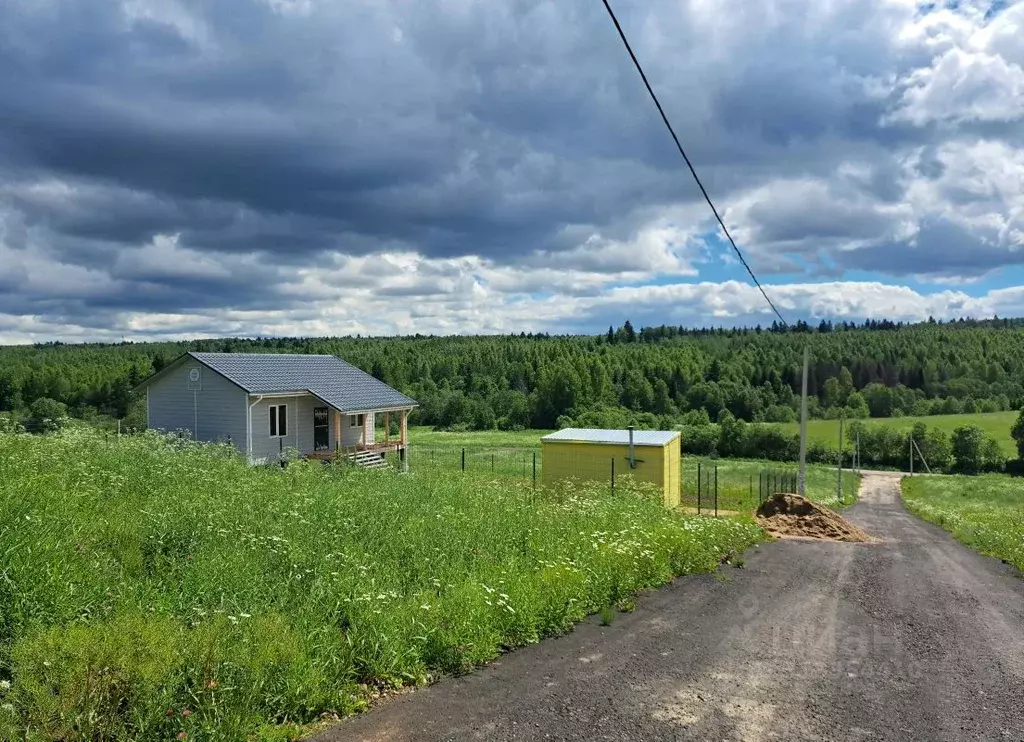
x: 913, y: 638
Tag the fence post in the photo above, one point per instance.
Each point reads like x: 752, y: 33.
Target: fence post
x: 463, y: 459
x: 613, y: 475
x: 716, y: 490
x: 535, y: 470
x: 492, y: 463
x: 751, y: 495
x: 698, y: 488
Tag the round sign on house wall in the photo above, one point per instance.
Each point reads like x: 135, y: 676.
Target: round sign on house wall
x: 193, y: 374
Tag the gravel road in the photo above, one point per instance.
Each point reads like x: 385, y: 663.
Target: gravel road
x: 915, y: 638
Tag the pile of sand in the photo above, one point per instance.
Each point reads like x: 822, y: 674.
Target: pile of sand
x: 792, y: 516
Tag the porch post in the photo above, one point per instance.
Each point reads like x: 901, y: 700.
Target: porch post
x: 337, y: 431
x: 404, y: 440
x: 368, y: 422
x: 387, y: 427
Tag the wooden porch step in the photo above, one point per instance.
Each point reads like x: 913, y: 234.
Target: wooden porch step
x: 368, y: 459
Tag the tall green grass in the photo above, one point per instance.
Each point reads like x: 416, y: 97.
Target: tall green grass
x: 985, y: 512
x: 151, y: 589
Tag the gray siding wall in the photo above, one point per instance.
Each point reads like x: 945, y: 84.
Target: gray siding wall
x: 214, y: 412
x: 263, y: 446
x: 300, y: 426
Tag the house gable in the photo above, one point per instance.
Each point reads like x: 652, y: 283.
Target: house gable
x: 189, y: 396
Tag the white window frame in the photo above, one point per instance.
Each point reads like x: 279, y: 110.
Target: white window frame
x: 356, y: 421
x: 274, y: 409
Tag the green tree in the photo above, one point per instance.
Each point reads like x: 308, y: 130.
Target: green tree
x: 662, y: 400
x: 833, y: 393
x: 845, y: 384
x: 1017, y: 432
x: 731, y: 436
x: 856, y: 407
x: 879, y: 399
x: 937, y: 449
x: 45, y: 408
x: 637, y: 393
x: 993, y: 458
x: 968, y: 454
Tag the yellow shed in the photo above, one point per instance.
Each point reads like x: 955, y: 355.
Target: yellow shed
x: 588, y: 454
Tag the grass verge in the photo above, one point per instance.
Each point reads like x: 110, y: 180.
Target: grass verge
x: 985, y: 512
x: 153, y: 590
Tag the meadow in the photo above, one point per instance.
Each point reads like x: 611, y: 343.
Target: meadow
x: 512, y: 455
x: 739, y: 486
x: 995, y: 424
x: 985, y: 512
x: 154, y: 589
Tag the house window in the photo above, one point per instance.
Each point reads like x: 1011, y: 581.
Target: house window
x: 278, y: 420
x: 355, y: 421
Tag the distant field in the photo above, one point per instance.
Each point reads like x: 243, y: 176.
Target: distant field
x: 986, y: 513
x: 996, y: 424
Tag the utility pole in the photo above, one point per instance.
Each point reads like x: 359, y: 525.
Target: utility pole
x: 857, y: 465
x: 839, y: 486
x: 802, y: 480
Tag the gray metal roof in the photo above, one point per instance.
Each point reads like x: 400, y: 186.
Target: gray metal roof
x: 339, y: 384
x: 591, y: 435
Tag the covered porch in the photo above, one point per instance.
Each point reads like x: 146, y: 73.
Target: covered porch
x: 365, y: 444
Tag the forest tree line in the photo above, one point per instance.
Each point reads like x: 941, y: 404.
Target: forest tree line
x: 655, y: 376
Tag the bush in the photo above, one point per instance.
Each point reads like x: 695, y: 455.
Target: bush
x: 779, y: 414
x: 45, y: 408
x: 700, y: 440
x: 975, y: 452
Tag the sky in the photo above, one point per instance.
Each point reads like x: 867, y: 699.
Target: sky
x: 203, y: 168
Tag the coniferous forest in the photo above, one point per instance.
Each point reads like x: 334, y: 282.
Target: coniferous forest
x: 654, y: 376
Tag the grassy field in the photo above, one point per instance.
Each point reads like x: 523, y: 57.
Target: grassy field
x: 513, y: 455
x: 739, y: 483
x: 426, y: 436
x: 152, y: 589
x: 996, y: 424
x: 986, y: 512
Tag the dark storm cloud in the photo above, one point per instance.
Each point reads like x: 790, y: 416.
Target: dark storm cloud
x: 510, y: 131
x: 334, y: 137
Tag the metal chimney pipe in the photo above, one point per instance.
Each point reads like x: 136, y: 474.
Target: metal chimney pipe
x: 632, y: 458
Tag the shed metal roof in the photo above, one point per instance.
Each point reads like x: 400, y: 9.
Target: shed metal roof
x: 339, y: 384
x: 617, y: 437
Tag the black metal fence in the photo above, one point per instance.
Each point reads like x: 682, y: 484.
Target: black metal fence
x: 707, y: 487
x: 519, y: 463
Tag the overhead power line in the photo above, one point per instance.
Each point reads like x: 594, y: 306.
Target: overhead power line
x: 689, y: 164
